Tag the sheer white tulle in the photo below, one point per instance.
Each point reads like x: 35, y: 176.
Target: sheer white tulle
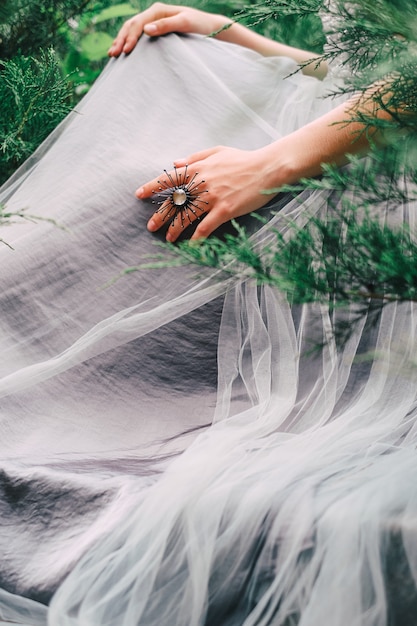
x: 173, y: 451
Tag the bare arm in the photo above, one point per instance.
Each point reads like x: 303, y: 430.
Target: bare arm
x: 235, y: 178
x: 243, y: 36
x: 160, y: 19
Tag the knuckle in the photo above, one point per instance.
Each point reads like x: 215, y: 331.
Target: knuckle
x: 222, y: 214
x: 185, y: 22
x: 130, y: 38
x: 203, y: 229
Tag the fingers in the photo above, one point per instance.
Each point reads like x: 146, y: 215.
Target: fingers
x: 197, y: 156
x: 182, y: 200
x: 208, y: 225
x: 158, y: 19
x: 148, y: 189
x: 177, y: 23
x: 198, y: 198
x: 177, y: 218
x: 133, y: 28
x: 127, y: 37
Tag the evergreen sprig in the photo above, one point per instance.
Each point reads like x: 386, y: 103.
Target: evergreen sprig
x: 349, y: 258
x: 33, y: 89
x: 34, y: 97
x: 26, y: 27
x: 342, y: 259
x: 295, y: 23
x: 7, y: 218
x: 267, y: 10
x: 385, y: 177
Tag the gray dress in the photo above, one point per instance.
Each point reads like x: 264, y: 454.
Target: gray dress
x: 172, y: 453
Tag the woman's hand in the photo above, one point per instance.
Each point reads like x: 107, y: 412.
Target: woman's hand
x: 230, y: 184
x: 160, y: 19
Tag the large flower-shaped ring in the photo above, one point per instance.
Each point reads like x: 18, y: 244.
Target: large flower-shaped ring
x: 179, y: 198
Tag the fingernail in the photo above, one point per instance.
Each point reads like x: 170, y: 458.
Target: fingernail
x: 152, y: 225
x: 139, y: 192
x: 170, y: 236
x: 150, y: 29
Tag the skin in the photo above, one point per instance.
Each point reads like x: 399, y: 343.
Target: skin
x: 234, y: 178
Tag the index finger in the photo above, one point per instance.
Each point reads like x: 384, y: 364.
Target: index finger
x: 133, y: 29
x: 127, y: 37
x: 149, y: 189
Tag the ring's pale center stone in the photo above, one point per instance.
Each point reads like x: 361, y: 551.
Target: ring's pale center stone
x: 179, y: 197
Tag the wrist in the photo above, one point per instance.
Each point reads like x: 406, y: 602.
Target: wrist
x: 276, y: 166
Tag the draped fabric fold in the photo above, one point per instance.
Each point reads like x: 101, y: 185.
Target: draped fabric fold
x: 172, y: 450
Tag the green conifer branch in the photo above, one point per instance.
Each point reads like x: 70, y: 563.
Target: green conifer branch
x: 35, y: 97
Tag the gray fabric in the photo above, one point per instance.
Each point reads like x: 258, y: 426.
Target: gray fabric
x: 119, y: 506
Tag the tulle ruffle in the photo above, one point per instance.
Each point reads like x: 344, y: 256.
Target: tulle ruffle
x: 173, y: 451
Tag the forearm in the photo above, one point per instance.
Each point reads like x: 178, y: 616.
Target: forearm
x: 239, y: 34
x: 329, y: 139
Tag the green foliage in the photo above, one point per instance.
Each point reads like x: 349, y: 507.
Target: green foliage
x: 87, y: 39
x: 34, y: 97
x: 294, y: 23
x: 380, y: 178
x: 339, y: 260
x: 370, y: 35
x: 349, y: 257
x: 11, y: 217
x: 48, y: 59
x: 26, y: 27
x: 46, y: 45
x: 33, y: 90
x: 49, y: 47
